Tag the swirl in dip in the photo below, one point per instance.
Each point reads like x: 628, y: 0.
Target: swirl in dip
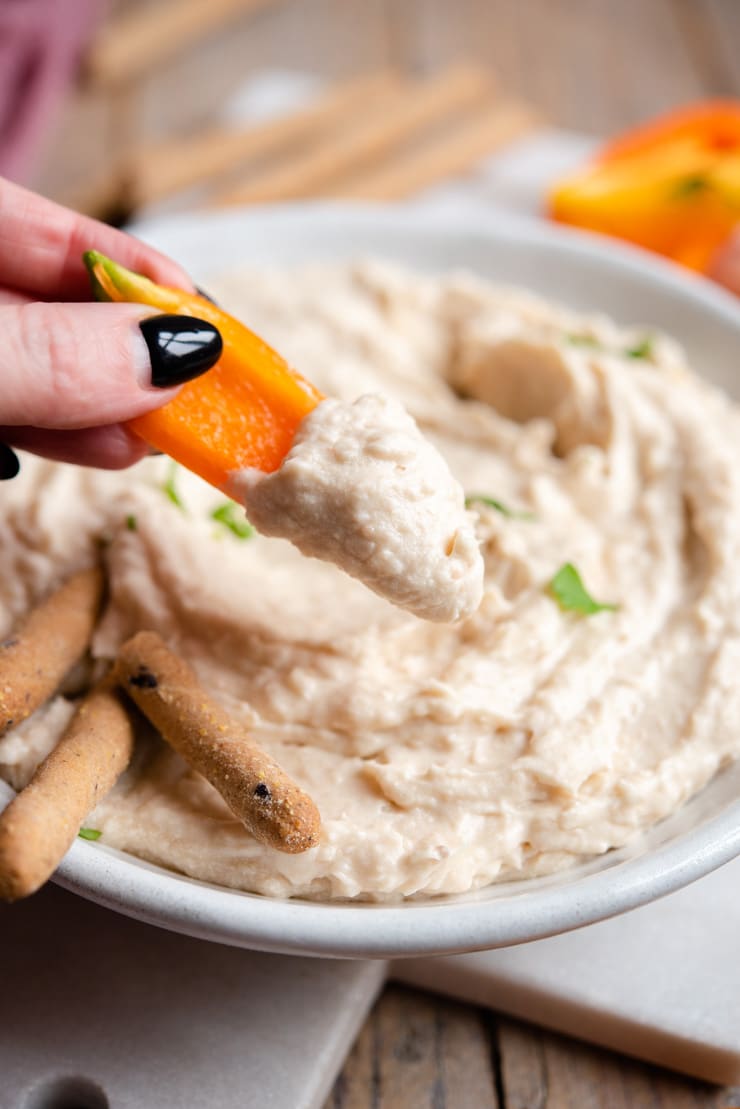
x: 532, y: 732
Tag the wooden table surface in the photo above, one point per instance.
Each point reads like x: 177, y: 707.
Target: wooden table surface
x: 596, y: 66
x: 418, y: 1051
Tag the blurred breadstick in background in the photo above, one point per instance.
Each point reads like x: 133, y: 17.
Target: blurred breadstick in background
x: 456, y: 150
x: 274, y: 809
x: 40, y: 824
x: 38, y: 655
x: 382, y: 128
x: 159, y: 169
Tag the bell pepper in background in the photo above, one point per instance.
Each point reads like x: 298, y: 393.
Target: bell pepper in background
x: 243, y: 412
x: 672, y: 185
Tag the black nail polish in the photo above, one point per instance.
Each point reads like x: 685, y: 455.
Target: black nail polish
x: 180, y: 348
x: 206, y: 296
x: 10, y: 463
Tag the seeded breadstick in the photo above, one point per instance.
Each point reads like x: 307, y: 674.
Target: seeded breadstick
x: 254, y: 787
x: 38, y: 655
x: 39, y: 825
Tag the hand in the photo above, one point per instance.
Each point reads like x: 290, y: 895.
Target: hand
x: 726, y: 265
x: 71, y: 373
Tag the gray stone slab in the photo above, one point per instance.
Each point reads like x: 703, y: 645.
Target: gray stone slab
x: 97, y: 1010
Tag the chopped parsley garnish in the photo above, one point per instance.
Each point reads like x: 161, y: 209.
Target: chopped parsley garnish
x: 643, y: 349
x: 230, y: 515
x: 492, y: 502
x: 169, y: 487
x: 132, y: 523
x: 89, y: 833
x: 580, y: 340
x: 690, y: 186
x: 571, y: 594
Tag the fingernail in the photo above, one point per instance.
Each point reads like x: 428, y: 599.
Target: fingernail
x: 180, y: 348
x: 10, y: 463
x: 206, y: 296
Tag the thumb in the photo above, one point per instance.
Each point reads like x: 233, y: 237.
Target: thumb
x: 86, y: 365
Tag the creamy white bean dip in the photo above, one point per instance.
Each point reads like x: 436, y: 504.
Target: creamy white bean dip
x: 362, y: 488
x: 442, y: 756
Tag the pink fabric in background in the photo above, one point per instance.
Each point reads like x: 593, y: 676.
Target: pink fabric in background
x: 40, y: 46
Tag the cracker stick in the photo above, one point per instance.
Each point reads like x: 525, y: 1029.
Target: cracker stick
x: 254, y: 787
x: 39, y: 654
x: 39, y: 825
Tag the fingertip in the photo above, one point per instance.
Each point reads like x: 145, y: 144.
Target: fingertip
x: 88, y: 365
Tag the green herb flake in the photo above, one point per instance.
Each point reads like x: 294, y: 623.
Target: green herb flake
x: 690, y: 186
x: 132, y: 523
x: 89, y: 833
x: 499, y: 506
x: 169, y: 488
x: 643, y: 349
x: 580, y: 340
x: 230, y: 515
x: 571, y: 594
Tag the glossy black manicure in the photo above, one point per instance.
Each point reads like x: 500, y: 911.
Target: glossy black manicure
x: 10, y: 463
x: 180, y: 348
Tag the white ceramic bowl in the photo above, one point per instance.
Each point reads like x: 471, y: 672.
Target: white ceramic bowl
x: 582, y: 271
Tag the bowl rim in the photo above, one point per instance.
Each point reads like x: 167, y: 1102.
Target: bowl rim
x: 434, y: 926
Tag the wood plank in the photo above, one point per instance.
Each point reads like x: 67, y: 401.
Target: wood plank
x: 417, y: 1050
x: 711, y: 30
x: 522, y: 1065
x: 548, y: 52
x: 540, y: 1070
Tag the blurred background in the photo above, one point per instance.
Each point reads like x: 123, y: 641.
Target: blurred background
x: 112, y: 106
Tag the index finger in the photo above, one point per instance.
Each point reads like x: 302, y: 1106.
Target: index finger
x: 41, y: 246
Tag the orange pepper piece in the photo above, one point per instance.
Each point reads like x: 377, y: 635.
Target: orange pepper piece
x: 242, y: 413
x: 672, y: 186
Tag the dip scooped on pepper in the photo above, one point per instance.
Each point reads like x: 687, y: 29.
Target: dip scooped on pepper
x: 353, y: 483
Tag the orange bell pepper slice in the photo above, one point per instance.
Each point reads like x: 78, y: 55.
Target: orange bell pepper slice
x: 672, y: 185
x: 242, y: 413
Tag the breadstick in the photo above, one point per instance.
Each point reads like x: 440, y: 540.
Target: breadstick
x: 456, y: 150
x: 39, y: 825
x: 138, y: 39
x: 37, y: 656
x: 377, y: 133
x: 160, y: 169
x: 254, y: 787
